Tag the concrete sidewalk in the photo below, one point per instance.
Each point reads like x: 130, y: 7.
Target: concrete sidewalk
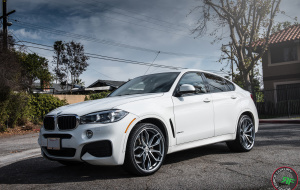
x: 277, y: 120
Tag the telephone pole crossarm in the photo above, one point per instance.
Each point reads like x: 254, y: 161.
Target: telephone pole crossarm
x: 5, y: 24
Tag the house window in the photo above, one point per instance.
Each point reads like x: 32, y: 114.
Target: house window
x: 288, y: 92
x: 284, y: 54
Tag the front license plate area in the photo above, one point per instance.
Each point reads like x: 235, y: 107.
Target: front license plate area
x: 53, y: 143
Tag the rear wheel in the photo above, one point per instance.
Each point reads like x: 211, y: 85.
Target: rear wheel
x: 145, y: 150
x: 245, y: 135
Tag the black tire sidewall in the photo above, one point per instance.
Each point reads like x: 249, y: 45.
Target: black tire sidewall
x: 130, y: 163
x: 238, y: 135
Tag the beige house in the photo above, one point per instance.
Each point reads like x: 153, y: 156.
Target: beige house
x: 281, y: 66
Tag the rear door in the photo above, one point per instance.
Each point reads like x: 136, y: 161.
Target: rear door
x: 193, y: 112
x: 225, y: 104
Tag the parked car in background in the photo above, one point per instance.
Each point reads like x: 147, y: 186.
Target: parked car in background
x: 151, y: 116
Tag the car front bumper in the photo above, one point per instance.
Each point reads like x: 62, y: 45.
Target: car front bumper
x: 106, y: 147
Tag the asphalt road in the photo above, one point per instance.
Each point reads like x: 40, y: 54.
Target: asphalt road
x: 209, y: 167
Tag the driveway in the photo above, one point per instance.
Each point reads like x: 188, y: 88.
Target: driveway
x: 208, y: 167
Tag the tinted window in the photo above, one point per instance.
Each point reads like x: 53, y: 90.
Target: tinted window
x: 194, y: 79
x: 215, y: 83
x: 154, y: 83
x: 230, y: 85
x: 284, y: 54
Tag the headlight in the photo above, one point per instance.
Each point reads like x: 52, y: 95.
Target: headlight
x: 103, y: 117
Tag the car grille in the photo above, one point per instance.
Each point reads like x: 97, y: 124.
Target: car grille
x: 49, y: 123
x: 63, y: 152
x: 67, y: 122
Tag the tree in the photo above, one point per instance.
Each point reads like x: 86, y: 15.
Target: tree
x: 282, y: 25
x: 69, y: 58
x: 10, y: 77
x: 58, y: 58
x: 248, y: 21
x: 34, y: 67
x: 75, y: 60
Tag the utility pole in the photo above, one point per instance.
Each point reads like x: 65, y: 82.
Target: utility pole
x: 5, y: 24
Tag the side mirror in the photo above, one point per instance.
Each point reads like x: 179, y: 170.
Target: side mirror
x: 186, y: 88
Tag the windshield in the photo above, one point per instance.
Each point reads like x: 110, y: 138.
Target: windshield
x: 154, y: 83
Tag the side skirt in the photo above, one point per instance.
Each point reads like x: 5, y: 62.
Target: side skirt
x: 201, y: 142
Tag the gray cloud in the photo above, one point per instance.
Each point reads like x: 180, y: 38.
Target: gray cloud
x: 95, y: 18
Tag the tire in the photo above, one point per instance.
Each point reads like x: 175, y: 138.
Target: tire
x: 145, y: 150
x: 245, y: 135
x: 70, y: 163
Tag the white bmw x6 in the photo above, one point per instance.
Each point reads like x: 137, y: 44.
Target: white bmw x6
x: 148, y: 117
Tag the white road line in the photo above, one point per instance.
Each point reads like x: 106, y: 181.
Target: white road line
x: 15, y: 157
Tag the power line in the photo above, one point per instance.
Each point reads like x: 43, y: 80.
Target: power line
x: 120, y: 20
x: 108, y: 58
x: 131, y: 16
x: 170, y: 23
x: 152, y: 62
x: 50, y: 65
x: 91, y: 39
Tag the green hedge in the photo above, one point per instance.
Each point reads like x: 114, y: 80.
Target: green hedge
x: 41, y: 104
x: 99, y: 95
x: 19, y: 108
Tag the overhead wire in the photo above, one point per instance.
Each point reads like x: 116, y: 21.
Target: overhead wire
x: 108, y: 58
x: 96, y: 40
x: 129, y: 16
x: 146, y: 16
x: 120, y: 20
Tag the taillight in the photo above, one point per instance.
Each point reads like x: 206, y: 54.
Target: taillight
x: 252, y: 97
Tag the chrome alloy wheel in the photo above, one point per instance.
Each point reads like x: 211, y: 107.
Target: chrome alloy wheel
x: 247, y: 134
x: 148, y: 149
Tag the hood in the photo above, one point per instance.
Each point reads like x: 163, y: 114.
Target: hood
x: 91, y: 106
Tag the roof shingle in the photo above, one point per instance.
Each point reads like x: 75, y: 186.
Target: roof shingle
x: 289, y: 34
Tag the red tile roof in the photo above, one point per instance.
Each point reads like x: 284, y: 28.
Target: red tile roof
x: 289, y: 34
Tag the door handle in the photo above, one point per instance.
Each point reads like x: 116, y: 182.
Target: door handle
x: 233, y: 97
x: 206, y: 100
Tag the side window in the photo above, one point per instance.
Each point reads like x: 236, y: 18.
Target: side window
x: 194, y: 79
x: 230, y: 86
x: 215, y: 83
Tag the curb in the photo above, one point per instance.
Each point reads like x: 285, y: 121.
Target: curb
x: 287, y: 121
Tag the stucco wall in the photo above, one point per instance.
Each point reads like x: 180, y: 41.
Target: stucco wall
x: 71, y: 99
x: 279, y: 72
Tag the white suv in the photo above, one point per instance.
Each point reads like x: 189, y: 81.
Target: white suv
x: 148, y: 117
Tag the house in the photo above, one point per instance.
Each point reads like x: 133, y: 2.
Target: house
x: 281, y: 65
x: 97, y: 86
x: 104, y: 85
x: 52, y: 89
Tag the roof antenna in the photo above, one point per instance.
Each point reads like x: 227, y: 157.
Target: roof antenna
x: 152, y: 62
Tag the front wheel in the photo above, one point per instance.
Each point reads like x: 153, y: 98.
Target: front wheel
x: 245, y: 135
x: 145, y: 150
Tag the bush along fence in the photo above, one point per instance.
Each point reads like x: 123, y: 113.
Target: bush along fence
x: 278, y: 103
x: 19, y: 108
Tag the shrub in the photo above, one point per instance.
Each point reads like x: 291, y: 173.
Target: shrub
x: 99, y: 95
x: 14, y: 110
x: 41, y: 104
x: 19, y: 108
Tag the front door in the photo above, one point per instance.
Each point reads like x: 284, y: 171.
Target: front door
x: 193, y: 112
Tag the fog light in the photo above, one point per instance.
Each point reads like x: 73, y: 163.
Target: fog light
x: 89, y: 134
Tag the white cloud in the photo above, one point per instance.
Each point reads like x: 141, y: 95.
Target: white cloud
x: 22, y: 33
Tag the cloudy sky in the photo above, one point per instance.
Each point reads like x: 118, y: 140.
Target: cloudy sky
x: 126, y: 29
